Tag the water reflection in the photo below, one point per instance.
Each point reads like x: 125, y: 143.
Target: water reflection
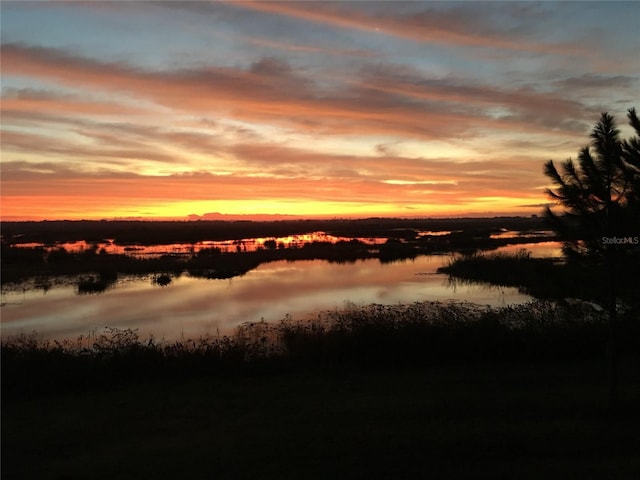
x: 110, y: 246
x: 191, y: 307
x: 528, y: 234
x: 538, y: 250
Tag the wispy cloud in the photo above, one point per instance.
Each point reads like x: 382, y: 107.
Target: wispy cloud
x: 467, y: 25
x: 378, y: 102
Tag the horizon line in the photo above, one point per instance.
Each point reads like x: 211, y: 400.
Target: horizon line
x: 272, y: 217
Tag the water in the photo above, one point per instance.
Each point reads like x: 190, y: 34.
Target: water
x: 190, y: 307
x: 242, y: 245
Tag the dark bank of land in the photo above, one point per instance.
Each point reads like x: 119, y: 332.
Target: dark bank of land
x: 402, y: 239
x: 158, y: 232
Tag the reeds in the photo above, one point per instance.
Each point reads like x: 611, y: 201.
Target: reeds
x: 432, y: 332
x: 423, y: 333
x: 546, y: 278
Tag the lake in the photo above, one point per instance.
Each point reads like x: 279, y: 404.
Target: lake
x: 190, y: 307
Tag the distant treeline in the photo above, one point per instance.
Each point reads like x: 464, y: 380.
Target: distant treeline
x: 165, y: 232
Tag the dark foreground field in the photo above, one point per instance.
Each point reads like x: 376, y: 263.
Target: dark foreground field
x: 492, y: 420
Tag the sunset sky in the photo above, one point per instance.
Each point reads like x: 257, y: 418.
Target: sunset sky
x: 340, y: 109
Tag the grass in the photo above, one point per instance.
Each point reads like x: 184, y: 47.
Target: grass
x: 547, y: 278
x: 419, y: 334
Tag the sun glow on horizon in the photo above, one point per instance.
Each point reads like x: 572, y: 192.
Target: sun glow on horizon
x: 254, y: 210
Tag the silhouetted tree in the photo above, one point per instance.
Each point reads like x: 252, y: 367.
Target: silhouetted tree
x: 631, y: 154
x: 601, y: 218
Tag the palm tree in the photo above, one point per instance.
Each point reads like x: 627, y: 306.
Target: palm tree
x: 601, y: 200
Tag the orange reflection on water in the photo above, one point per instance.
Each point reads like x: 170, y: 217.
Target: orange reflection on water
x: 537, y: 250
x: 242, y: 245
x: 517, y: 234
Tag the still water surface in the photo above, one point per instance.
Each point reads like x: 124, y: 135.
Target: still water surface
x: 191, y: 307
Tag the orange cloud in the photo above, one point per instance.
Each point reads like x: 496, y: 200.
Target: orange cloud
x: 269, y: 91
x: 35, y: 101
x: 49, y: 191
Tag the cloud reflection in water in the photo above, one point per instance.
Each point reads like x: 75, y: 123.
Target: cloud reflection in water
x: 194, y: 307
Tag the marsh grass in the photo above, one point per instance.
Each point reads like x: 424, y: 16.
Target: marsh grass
x: 371, y: 336
x: 546, y: 278
x: 449, y: 333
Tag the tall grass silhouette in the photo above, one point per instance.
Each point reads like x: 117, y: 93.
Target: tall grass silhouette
x: 422, y: 333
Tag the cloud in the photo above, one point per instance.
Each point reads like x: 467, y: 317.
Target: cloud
x: 347, y: 179
x: 311, y: 49
x: 505, y: 108
x: 468, y: 25
x: 47, y: 145
x: 598, y: 81
x: 270, y: 91
x: 40, y: 101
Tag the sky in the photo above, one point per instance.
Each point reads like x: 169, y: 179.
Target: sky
x: 196, y: 110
